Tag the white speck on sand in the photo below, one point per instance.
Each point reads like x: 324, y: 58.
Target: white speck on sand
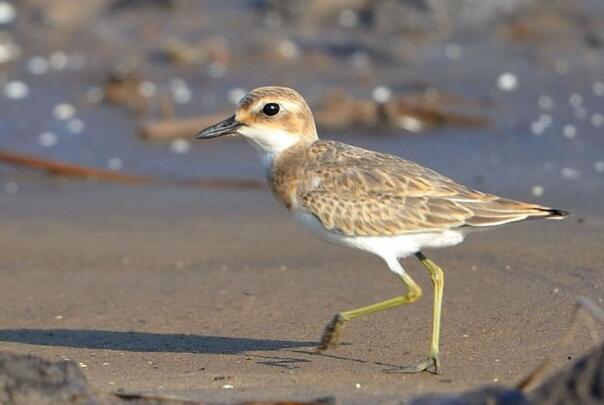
x: 575, y: 100
x: 538, y: 127
x: 63, y: 111
x: 180, y: 146
x: 7, y: 12
x: 58, y: 60
x: 147, y: 89
x: 507, y: 81
x: 410, y: 123
x: 348, y: 18
x: 597, y: 120
x: 37, y: 65
x: 381, y: 94
x: 75, y: 126
x: 47, y: 139
x: 569, y: 131
x: 16, y: 90
x: 115, y: 163
x: 570, y: 173
x: 8, y: 49
x: 180, y: 91
x: 182, y: 95
x: 288, y: 49
x: 537, y: 190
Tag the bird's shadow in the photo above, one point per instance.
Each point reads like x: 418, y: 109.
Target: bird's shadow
x: 130, y: 341
x: 146, y: 342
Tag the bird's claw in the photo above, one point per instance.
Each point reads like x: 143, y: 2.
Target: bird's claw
x: 331, y: 335
x: 431, y: 365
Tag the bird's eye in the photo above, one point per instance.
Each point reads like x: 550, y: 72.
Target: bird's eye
x: 270, y: 109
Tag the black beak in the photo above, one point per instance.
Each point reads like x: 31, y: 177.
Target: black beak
x: 226, y: 127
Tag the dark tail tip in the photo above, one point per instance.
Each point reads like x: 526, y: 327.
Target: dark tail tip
x: 556, y: 214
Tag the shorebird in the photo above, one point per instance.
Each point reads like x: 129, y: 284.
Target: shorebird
x: 371, y: 201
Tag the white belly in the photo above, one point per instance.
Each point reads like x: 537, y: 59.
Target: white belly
x: 387, y: 247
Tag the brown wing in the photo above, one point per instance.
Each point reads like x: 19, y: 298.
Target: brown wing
x: 363, y: 193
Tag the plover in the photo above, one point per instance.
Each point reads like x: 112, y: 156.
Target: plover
x: 371, y: 201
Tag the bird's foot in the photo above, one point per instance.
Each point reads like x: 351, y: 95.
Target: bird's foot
x: 431, y: 365
x: 331, y: 334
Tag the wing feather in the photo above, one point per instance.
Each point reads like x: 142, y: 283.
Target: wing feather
x: 363, y: 193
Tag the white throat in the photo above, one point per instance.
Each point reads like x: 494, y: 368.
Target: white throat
x: 270, y: 143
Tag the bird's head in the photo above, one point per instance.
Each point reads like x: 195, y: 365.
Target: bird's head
x: 270, y: 118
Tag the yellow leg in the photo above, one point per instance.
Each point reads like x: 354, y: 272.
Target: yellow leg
x: 438, y: 281
x: 333, y: 329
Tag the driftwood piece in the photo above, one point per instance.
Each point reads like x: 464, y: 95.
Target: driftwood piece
x: 59, y: 168
x: 65, y: 169
x: 413, y: 112
x: 123, y: 88
x: 415, y: 117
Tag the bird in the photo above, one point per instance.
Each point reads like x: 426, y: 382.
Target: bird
x: 369, y: 201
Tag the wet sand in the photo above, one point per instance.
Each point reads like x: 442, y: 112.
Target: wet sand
x: 189, y: 292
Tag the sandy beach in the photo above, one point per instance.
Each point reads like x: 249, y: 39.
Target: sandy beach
x: 192, y: 292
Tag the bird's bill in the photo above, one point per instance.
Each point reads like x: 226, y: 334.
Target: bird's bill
x: 226, y: 127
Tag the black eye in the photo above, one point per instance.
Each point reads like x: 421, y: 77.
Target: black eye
x: 271, y: 109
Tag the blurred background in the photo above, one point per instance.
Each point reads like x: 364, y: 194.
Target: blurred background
x: 123, y: 250
x: 504, y: 95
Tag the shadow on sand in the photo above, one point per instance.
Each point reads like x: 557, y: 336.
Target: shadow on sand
x: 145, y: 342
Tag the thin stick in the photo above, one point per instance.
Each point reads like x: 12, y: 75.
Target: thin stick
x: 58, y: 168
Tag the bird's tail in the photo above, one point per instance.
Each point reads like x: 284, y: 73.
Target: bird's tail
x: 501, y: 211
x: 553, y: 213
